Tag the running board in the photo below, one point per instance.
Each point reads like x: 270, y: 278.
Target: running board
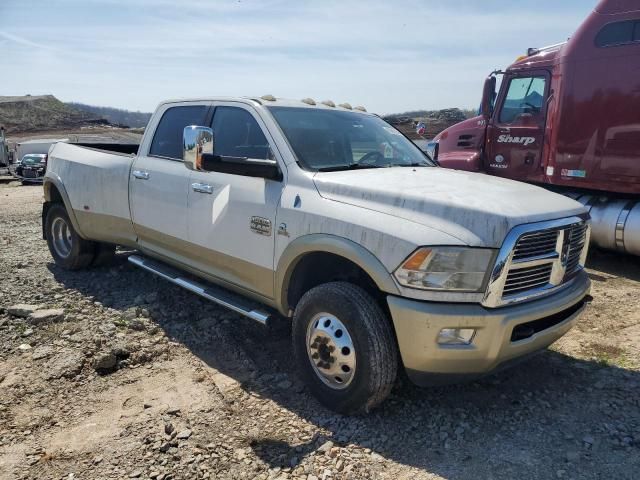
x: 210, y: 292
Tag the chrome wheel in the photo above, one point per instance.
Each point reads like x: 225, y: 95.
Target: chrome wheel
x: 61, y: 237
x: 331, y: 351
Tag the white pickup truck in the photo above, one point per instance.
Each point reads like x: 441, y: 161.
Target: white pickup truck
x: 330, y: 217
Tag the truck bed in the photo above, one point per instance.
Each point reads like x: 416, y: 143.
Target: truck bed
x: 126, y: 148
x: 96, y: 183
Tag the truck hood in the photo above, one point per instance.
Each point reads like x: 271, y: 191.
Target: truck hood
x: 476, y: 208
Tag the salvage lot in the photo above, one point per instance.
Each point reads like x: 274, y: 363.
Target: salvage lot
x: 136, y: 378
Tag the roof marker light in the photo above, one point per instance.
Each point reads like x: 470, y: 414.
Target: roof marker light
x: 269, y: 98
x: 329, y: 103
x: 309, y: 101
x: 361, y: 108
x: 345, y: 105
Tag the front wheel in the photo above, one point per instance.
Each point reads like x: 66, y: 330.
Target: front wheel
x: 67, y: 248
x: 344, y: 347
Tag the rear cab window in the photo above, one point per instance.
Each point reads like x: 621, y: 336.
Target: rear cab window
x: 167, y: 139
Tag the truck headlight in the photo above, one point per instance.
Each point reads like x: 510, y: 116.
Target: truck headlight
x: 446, y: 268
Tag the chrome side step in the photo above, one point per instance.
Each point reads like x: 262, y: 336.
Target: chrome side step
x: 210, y: 292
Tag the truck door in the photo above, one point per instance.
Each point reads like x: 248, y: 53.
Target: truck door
x: 159, y: 183
x: 232, y: 217
x: 515, y: 134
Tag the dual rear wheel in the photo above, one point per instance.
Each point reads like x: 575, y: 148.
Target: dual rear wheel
x: 68, y: 249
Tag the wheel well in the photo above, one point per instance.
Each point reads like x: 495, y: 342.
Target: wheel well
x: 52, y: 196
x: 321, y: 267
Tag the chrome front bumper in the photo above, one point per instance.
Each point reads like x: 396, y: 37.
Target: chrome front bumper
x: 417, y: 325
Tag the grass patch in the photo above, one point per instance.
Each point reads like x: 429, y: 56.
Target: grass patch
x: 608, y: 355
x: 121, y: 322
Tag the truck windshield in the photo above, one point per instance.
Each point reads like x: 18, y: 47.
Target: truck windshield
x: 328, y: 140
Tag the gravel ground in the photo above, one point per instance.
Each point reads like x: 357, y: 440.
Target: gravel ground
x: 113, y: 373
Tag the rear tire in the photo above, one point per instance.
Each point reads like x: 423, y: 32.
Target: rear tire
x: 67, y: 248
x: 344, y: 347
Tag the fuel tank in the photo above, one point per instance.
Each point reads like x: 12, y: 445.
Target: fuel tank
x: 616, y: 222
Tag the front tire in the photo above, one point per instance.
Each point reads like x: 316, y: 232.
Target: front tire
x: 67, y: 248
x: 344, y: 347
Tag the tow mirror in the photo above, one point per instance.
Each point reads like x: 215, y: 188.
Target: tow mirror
x: 197, y: 154
x: 488, y: 96
x: 196, y: 142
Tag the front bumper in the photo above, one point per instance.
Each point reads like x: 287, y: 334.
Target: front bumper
x: 35, y: 175
x: 417, y: 325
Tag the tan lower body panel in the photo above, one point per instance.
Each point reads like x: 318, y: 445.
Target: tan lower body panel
x: 231, y: 272
x: 106, y: 228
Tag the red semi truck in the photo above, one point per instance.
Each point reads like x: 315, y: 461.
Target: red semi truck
x: 567, y: 117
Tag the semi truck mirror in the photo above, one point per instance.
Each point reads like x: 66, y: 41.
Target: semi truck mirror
x: 488, y: 96
x: 196, y: 142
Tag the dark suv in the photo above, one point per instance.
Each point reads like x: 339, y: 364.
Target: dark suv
x: 32, y: 167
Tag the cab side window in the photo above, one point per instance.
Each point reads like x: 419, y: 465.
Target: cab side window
x: 167, y: 140
x: 618, y: 33
x: 525, y: 99
x: 236, y: 134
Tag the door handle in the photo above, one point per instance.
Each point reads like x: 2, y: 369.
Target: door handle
x: 141, y: 174
x: 202, y: 188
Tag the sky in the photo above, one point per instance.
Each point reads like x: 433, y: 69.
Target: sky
x: 390, y: 56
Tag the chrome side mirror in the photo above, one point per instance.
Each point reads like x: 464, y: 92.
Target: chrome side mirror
x: 196, y: 142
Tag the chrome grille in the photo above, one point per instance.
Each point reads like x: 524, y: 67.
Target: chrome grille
x: 537, y: 259
x: 523, y: 279
x: 576, y: 236
x: 536, y: 244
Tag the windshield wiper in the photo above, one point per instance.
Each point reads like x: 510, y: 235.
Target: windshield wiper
x: 414, y: 164
x: 351, y: 166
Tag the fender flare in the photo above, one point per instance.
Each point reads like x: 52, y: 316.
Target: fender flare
x: 51, y: 179
x: 326, y: 243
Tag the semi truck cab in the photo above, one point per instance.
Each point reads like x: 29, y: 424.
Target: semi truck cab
x: 566, y: 116
x: 507, y: 138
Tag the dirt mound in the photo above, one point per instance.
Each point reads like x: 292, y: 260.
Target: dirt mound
x: 42, y: 112
x: 435, y: 121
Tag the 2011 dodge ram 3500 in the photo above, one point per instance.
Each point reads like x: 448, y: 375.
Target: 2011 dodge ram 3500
x: 329, y: 216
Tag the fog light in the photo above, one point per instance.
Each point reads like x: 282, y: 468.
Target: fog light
x: 456, y: 336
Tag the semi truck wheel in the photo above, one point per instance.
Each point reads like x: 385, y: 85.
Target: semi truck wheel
x: 344, y: 347
x: 67, y: 248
